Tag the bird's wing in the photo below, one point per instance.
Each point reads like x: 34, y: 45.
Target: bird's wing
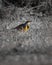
x: 19, y: 27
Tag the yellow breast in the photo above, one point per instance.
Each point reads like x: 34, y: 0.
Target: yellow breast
x: 26, y: 28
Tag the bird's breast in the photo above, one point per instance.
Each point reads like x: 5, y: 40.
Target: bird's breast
x: 26, y: 28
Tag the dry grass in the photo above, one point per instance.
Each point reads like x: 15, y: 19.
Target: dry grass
x: 34, y: 46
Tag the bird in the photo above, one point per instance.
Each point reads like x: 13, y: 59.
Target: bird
x: 23, y: 27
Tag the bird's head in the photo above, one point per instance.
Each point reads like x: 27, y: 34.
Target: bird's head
x: 28, y: 22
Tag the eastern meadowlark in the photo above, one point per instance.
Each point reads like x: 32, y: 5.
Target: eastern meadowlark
x: 23, y: 27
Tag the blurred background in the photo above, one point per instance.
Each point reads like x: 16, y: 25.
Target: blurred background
x: 33, y: 47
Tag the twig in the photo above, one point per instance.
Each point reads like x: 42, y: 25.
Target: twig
x: 34, y: 7
x: 27, y: 5
x: 7, y: 2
